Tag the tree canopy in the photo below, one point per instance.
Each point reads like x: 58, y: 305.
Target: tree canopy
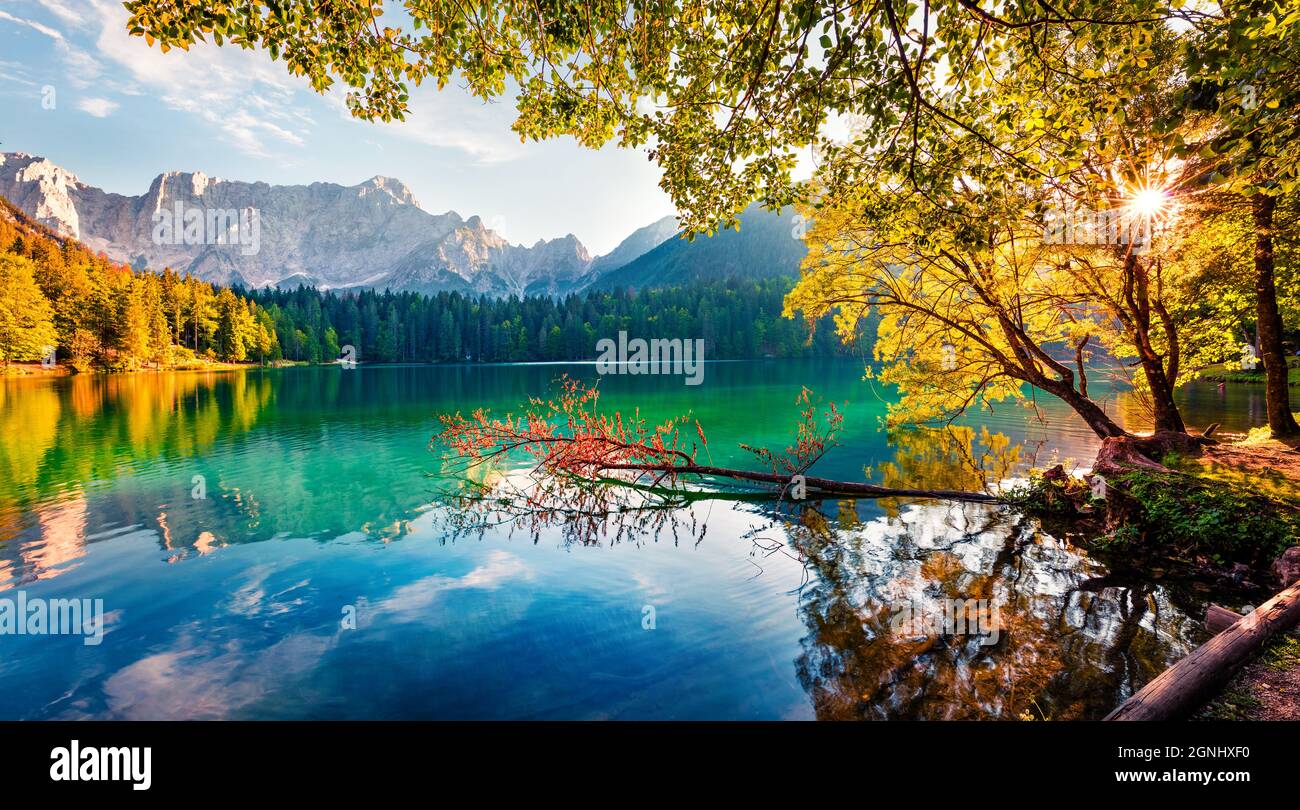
x: 727, y: 94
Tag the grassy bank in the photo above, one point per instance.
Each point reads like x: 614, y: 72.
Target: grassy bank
x: 1233, y: 373
x: 64, y: 370
x: 1231, y: 505
x: 1267, y: 688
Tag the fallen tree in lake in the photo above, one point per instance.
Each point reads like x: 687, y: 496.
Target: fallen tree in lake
x: 592, y: 470
x: 567, y: 437
x: 591, y: 464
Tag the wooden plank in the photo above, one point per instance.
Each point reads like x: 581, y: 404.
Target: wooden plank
x: 1184, y: 687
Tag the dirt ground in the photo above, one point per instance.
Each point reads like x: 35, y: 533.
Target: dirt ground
x: 1268, y: 466
x: 1266, y: 456
x: 1267, y: 688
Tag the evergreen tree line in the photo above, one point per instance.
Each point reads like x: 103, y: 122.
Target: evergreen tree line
x: 97, y: 313
x: 736, y: 319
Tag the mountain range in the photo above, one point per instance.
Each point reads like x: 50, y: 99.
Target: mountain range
x: 373, y: 234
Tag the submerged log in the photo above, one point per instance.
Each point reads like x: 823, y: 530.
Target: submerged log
x: 1184, y: 687
x: 816, y: 487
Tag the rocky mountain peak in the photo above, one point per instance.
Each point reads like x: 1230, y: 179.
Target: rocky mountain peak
x: 392, y: 186
x: 43, y: 189
x: 371, y: 234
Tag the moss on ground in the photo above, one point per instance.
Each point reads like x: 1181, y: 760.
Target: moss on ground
x: 1171, y: 516
x: 1282, y: 654
x: 1193, y: 518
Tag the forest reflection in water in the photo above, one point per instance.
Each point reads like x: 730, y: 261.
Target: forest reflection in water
x: 342, y: 458
x: 1074, y: 641
x: 1075, y: 637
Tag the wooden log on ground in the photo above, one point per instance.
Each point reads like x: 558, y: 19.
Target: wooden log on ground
x: 1184, y: 687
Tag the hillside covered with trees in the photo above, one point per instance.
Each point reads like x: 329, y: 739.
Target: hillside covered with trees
x: 99, y: 314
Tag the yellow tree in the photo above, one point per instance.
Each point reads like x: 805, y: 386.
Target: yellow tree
x: 1049, y: 233
x: 160, y: 335
x: 971, y: 306
x: 202, y: 312
x: 133, y: 338
x: 26, y: 321
x: 234, y: 325
x: 1178, y: 303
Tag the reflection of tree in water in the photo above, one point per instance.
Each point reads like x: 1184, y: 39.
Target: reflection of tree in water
x: 1075, y: 638
x: 1072, y: 642
x: 953, y: 457
x: 580, y: 512
x: 59, y: 437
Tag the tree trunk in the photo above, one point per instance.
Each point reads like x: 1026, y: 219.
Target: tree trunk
x: 1138, y: 294
x: 1092, y: 414
x: 1269, y: 323
x: 1163, y: 408
x: 817, y: 487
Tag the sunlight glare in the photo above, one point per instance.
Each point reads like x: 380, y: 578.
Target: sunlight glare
x: 1148, y: 201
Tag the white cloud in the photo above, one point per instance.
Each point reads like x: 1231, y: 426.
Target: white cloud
x: 98, y: 107
x: 450, y: 120
x: 44, y: 29
x: 83, y: 68
x: 232, y: 90
x: 16, y: 73
x: 248, y: 99
x: 58, y: 9
x: 412, y: 601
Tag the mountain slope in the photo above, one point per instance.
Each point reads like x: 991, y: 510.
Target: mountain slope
x: 766, y: 246
x: 474, y: 259
x: 323, y: 234
x: 335, y: 235
x: 640, y: 242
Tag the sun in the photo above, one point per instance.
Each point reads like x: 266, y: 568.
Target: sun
x: 1148, y: 202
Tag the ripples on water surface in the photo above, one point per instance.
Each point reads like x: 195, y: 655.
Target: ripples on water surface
x: 320, y: 505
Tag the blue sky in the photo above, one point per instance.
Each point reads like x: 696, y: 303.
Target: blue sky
x: 124, y: 112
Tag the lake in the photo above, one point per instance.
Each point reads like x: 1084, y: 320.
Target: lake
x: 274, y: 544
